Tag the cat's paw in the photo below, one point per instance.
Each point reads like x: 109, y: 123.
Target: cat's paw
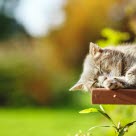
x: 112, y: 84
x: 101, y: 79
x: 131, y: 78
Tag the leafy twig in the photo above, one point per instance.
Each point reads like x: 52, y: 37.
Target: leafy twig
x: 119, y: 129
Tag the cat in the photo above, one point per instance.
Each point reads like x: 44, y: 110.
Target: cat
x: 110, y: 68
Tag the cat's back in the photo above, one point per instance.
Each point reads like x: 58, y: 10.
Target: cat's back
x: 126, y: 53
x: 127, y: 49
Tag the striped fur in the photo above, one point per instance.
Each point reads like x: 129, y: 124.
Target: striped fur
x: 111, y: 68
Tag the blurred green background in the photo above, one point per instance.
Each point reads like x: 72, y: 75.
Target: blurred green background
x: 42, y: 47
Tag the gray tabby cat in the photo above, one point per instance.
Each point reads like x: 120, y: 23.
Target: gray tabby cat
x: 111, y: 68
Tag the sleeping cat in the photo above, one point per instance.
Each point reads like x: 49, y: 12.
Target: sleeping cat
x: 111, y: 68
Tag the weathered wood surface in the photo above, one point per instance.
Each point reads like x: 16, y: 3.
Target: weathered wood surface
x: 121, y: 96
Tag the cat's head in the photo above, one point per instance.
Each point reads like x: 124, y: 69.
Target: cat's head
x: 108, y: 60
x: 98, y: 62
x: 89, y: 75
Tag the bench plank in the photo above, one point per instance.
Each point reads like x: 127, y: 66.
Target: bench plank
x: 121, y: 96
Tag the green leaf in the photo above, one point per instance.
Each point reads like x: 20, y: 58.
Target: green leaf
x: 90, y: 110
x: 113, y: 37
x: 125, y: 128
x: 98, y: 127
x: 107, y: 116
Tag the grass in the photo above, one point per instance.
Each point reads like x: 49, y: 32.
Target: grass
x: 60, y: 122
x: 43, y: 122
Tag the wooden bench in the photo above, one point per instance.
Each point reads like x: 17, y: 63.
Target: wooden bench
x: 121, y: 96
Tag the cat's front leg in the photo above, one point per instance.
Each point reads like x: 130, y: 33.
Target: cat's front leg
x: 113, y: 83
x: 100, y: 81
x: 129, y: 80
x: 109, y: 82
x: 131, y: 76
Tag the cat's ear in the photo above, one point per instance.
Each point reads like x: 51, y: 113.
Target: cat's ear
x: 94, y: 49
x: 77, y: 86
